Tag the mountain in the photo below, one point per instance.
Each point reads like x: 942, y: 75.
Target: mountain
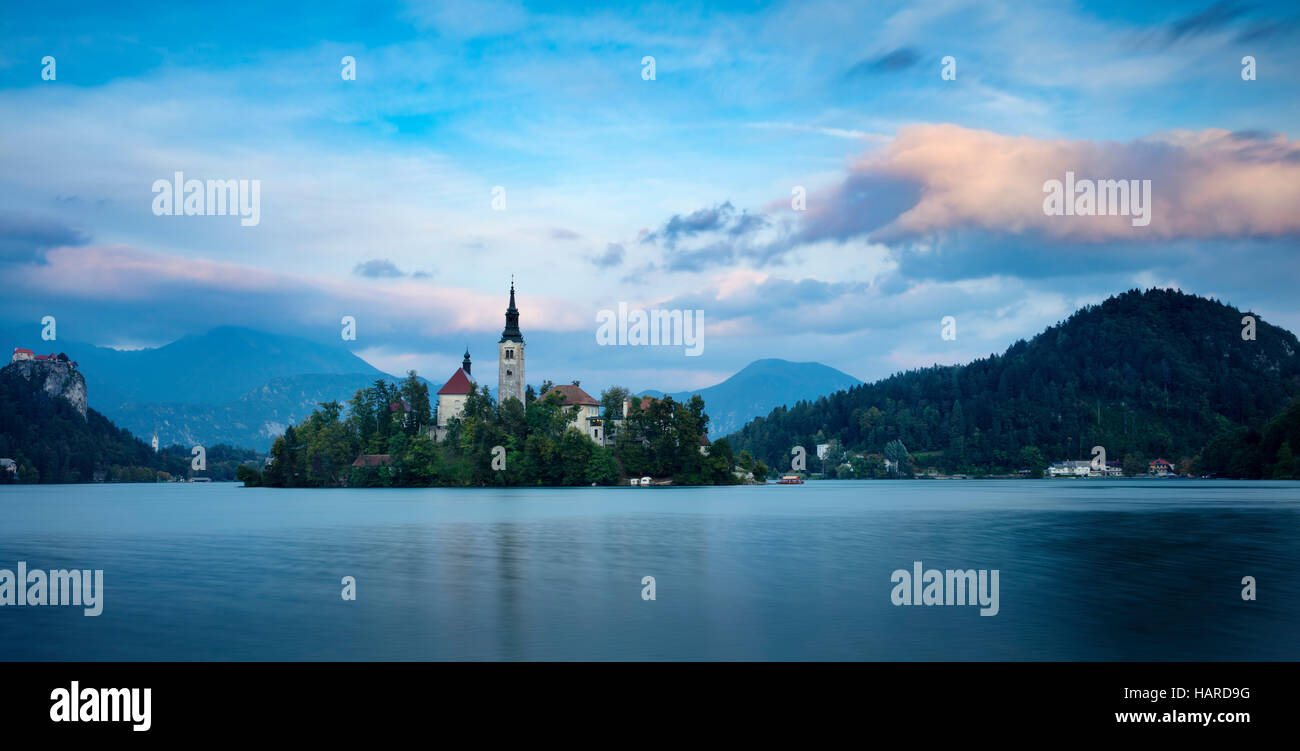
x: 47, y: 430
x: 211, y: 368
x: 760, y: 387
x: 229, y: 385
x: 1155, y: 374
x: 252, y: 420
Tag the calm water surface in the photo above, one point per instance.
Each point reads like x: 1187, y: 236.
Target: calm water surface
x: 1089, y: 570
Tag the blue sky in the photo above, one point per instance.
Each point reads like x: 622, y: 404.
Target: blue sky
x: 923, y: 193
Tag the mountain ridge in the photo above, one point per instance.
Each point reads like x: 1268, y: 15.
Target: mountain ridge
x: 1143, y: 374
x: 759, y: 387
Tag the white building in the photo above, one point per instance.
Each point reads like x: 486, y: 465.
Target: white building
x: 1070, y: 469
x: 451, y: 398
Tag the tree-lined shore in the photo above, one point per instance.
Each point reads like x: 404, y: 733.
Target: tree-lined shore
x: 506, y: 444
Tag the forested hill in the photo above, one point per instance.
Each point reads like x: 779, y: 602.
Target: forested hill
x: 1144, y: 374
x: 51, y: 441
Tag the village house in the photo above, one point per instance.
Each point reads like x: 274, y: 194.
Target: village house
x: 373, y: 460
x: 1079, y: 468
x: 588, y: 418
x: 1160, y: 468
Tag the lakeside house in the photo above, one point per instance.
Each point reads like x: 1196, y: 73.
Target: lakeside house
x: 1160, y: 468
x: 587, y: 419
x: 373, y: 460
x: 1073, y: 468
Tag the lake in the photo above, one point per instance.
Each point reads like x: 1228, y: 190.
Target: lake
x: 1088, y: 570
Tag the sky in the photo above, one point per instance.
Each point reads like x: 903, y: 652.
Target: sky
x: 922, y: 195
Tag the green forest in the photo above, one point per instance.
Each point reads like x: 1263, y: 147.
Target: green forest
x: 539, y: 446
x: 51, y: 443
x: 1154, y: 374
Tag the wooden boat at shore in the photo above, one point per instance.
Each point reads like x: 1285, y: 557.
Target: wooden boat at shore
x: 790, y: 480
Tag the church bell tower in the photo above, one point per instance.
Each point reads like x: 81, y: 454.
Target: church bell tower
x: 510, y: 356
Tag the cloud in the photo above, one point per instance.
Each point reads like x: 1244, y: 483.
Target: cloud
x: 560, y: 233
x: 25, y: 238
x: 1259, y: 31
x: 935, y: 179
x: 892, y: 62
x: 115, y: 293
x: 722, y: 236
x: 462, y: 20
x: 613, y: 256
x: 1212, y: 19
x: 378, y: 269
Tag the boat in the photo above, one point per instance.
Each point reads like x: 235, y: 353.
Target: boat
x: 790, y: 480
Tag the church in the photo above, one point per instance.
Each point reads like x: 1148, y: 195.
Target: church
x: 510, y: 373
x: 511, y: 384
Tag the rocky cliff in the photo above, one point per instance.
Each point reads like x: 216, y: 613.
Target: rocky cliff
x: 55, y: 378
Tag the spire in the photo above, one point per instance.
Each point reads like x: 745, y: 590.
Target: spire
x: 465, y: 365
x: 511, y: 331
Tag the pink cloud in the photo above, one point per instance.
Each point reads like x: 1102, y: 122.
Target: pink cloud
x: 227, y: 292
x: 1206, y: 184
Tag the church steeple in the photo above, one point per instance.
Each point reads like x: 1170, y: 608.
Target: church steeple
x: 465, y: 365
x: 510, y: 356
x: 511, y: 332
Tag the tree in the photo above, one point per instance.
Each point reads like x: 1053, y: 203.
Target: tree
x: 896, y: 453
x: 416, y: 394
x: 247, y: 475
x: 602, y: 469
x: 1031, y: 458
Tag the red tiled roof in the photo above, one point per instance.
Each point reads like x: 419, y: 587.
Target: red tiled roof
x: 571, y: 395
x: 26, y: 351
x: 458, y: 384
x: 373, y: 460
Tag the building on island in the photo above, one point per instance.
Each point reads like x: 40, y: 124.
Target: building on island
x: 510, y: 374
x: 587, y: 419
x: 510, y: 356
x: 373, y: 460
x: 451, y: 398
